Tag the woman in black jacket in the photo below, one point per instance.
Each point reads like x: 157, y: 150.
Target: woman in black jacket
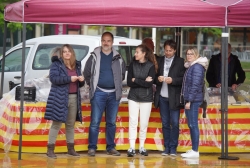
x: 141, y: 74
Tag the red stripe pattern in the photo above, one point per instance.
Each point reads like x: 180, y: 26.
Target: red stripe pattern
x: 36, y: 128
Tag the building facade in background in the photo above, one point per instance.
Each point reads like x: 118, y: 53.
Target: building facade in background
x: 208, y: 43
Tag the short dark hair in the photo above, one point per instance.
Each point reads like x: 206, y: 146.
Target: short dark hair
x: 171, y: 43
x: 108, y: 33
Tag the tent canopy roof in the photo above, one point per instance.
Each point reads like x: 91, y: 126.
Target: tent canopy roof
x: 147, y: 13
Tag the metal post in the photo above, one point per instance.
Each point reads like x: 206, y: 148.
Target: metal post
x: 178, y: 40
x: 3, y: 59
x: 22, y: 93
x: 224, y: 97
x: 154, y: 37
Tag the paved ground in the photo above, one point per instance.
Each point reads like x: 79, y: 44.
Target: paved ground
x: 101, y: 160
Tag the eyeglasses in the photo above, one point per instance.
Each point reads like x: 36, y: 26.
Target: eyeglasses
x: 190, y: 53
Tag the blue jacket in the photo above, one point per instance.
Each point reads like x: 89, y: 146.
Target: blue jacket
x: 57, y: 103
x: 193, y: 80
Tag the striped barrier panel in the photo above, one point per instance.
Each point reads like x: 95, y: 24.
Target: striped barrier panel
x: 36, y: 128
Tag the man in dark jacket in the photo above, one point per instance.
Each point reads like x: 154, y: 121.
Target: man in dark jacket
x: 104, y: 72
x: 213, y: 75
x: 168, y: 89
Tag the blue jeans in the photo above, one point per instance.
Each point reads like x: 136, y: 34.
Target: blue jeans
x: 170, y: 125
x: 103, y: 101
x: 192, y: 119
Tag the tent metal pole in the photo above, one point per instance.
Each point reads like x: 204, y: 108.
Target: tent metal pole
x: 226, y: 92
x: 178, y: 40
x: 224, y: 97
x: 3, y: 59
x: 22, y: 93
x: 223, y: 51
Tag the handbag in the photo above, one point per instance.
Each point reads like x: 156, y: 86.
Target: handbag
x: 205, y: 101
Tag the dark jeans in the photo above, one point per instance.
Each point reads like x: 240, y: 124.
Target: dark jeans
x: 192, y: 119
x: 103, y: 101
x: 170, y: 125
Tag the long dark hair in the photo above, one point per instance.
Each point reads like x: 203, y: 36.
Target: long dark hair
x: 149, y: 55
x: 72, y: 62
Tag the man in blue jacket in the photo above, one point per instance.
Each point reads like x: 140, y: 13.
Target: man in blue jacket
x: 104, y: 72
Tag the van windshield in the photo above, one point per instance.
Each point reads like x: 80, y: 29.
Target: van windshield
x: 13, y: 61
x: 43, y: 55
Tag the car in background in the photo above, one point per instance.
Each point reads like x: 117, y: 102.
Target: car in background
x: 37, y: 55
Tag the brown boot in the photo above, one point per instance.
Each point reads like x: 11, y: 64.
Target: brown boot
x: 71, y: 150
x: 50, y: 151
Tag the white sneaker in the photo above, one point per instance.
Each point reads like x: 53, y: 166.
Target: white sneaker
x: 191, y: 161
x: 190, y: 154
x: 186, y: 152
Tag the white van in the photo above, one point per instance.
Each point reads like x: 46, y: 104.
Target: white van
x: 37, y: 58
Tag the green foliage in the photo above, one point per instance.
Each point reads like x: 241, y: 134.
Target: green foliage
x: 246, y: 66
x: 215, y: 31
x: 212, y: 30
x: 109, y: 28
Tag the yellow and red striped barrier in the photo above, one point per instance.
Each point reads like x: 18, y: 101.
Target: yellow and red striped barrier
x: 36, y: 128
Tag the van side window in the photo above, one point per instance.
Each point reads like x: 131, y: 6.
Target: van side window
x: 13, y: 61
x: 42, y: 59
x: 127, y: 52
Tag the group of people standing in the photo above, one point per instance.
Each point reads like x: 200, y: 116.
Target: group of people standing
x: 104, y: 72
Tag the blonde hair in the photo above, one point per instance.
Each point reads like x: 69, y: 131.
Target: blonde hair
x: 194, y: 51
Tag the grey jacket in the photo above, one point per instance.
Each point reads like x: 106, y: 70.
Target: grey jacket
x: 92, y: 70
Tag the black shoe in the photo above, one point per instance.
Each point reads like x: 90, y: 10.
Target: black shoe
x: 131, y: 152
x: 143, y: 152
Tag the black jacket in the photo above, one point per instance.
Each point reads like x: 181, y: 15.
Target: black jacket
x: 140, y: 90
x: 176, y: 72
x: 234, y: 67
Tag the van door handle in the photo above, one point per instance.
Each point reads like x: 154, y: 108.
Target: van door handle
x: 17, y: 77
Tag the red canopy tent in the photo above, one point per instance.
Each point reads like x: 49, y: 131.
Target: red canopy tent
x: 147, y: 13
x: 238, y: 14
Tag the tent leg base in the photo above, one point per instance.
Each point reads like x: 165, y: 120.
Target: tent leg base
x: 228, y: 158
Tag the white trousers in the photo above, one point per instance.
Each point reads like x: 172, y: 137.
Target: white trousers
x: 134, y: 109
